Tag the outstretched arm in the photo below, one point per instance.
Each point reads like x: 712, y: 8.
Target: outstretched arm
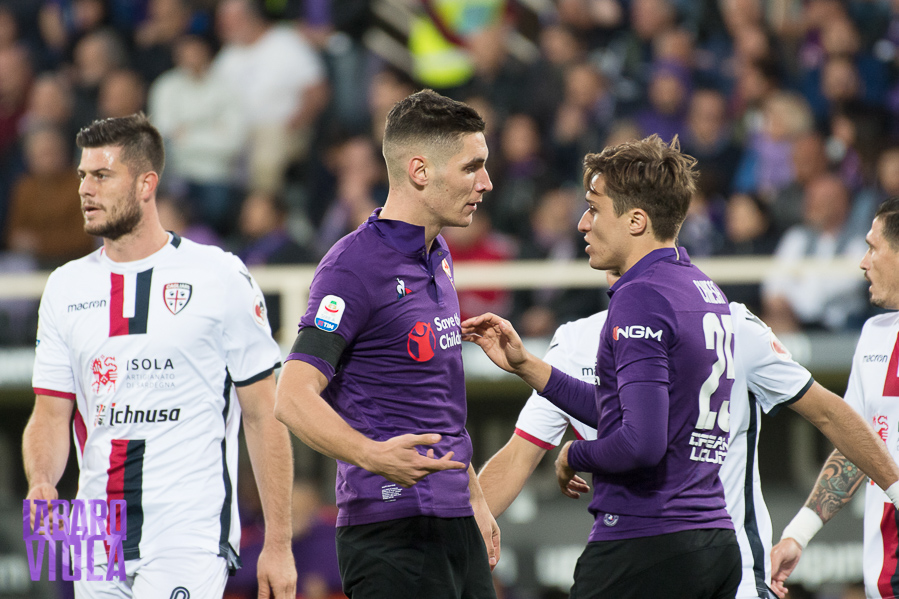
x: 837, y: 483
x: 849, y: 433
x: 503, y: 476
x: 300, y: 406
x: 271, y: 454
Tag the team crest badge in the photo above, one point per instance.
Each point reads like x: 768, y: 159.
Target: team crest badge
x: 449, y: 274
x: 176, y: 296
x: 105, y: 374
x: 259, y: 311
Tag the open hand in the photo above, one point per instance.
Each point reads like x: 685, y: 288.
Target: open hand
x: 497, y: 338
x: 398, y: 460
x: 570, y: 483
x: 784, y: 559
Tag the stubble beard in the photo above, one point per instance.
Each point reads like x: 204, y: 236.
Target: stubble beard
x: 119, y: 222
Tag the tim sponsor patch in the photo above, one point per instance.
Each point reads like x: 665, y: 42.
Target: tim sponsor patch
x: 330, y: 311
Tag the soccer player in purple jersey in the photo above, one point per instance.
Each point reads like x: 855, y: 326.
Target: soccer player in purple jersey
x: 665, y: 368
x: 375, y: 378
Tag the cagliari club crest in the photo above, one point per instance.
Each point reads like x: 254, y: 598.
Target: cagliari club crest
x: 176, y: 296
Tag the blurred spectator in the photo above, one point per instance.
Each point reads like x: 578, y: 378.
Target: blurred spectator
x: 478, y: 242
x: 559, y: 48
x: 439, y: 38
x: 50, y: 103
x: 45, y: 218
x: 816, y: 299
x: 122, y: 93
x: 278, y: 80
x: 756, y: 83
x: 15, y: 80
x: 809, y: 160
x: 359, y: 188
x: 498, y: 76
x: 520, y: 176
x: 63, y: 23
x: 155, y: 37
x: 15, y: 83
x: 204, y: 132
x: 266, y: 240
x: 554, y: 237
x: 708, y: 138
x: 669, y: 94
x: 766, y: 165
x: 175, y: 216
x: 314, y: 549
x: 632, y: 51
x: 96, y: 55
x: 702, y: 233
x: 388, y: 86
x: 748, y: 232
x: 582, y: 120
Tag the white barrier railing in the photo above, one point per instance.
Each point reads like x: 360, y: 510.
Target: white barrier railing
x: 292, y: 282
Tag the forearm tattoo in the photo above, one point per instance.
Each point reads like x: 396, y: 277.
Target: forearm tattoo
x: 837, y: 483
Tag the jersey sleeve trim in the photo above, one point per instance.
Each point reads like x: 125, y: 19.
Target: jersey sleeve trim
x: 534, y: 440
x: 793, y: 399
x: 257, y: 377
x: 52, y: 393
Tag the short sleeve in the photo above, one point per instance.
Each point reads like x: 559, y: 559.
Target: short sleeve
x: 250, y: 352
x: 53, y: 373
x: 772, y: 375
x: 643, y: 325
x: 338, y: 303
x: 855, y: 395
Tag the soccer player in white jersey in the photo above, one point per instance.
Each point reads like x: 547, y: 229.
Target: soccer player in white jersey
x: 766, y: 378
x: 873, y: 392
x: 147, y: 341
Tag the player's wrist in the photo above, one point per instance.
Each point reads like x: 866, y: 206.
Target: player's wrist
x: 893, y: 493
x: 803, y: 527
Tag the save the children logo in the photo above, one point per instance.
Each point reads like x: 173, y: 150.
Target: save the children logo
x: 71, y: 529
x: 421, y: 342
x: 105, y: 373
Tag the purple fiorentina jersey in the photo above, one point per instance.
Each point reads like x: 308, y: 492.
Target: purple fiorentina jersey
x: 667, y: 324
x: 401, y: 370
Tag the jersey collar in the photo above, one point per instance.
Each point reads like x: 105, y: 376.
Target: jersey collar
x: 136, y: 265
x: 676, y: 255
x: 404, y: 237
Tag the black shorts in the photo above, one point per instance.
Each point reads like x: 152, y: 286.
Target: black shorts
x: 692, y: 564
x: 415, y: 558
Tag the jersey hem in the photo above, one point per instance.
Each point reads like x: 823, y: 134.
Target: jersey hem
x: 538, y: 442
x: 257, y: 377
x: 52, y: 393
x: 793, y: 399
x: 371, y: 518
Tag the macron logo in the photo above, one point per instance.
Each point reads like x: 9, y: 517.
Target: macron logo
x: 636, y: 331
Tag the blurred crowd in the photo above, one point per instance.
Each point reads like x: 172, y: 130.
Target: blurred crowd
x: 273, y: 112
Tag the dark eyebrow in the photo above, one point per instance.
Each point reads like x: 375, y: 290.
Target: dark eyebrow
x: 95, y: 171
x: 474, y: 162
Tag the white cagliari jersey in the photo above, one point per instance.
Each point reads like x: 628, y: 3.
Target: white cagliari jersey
x: 873, y: 392
x: 150, y: 351
x: 766, y: 379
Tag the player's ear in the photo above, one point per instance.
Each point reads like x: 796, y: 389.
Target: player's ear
x: 418, y: 170
x: 638, y: 222
x: 147, y: 184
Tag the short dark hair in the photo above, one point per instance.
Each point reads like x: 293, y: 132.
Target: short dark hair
x: 428, y: 117
x: 888, y: 213
x: 141, y: 142
x: 648, y: 174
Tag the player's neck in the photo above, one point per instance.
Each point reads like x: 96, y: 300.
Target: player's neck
x: 409, y: 211
x: 642, y: 248
x: 145, y: 240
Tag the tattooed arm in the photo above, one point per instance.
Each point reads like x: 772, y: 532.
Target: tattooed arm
x: 837, y: 483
